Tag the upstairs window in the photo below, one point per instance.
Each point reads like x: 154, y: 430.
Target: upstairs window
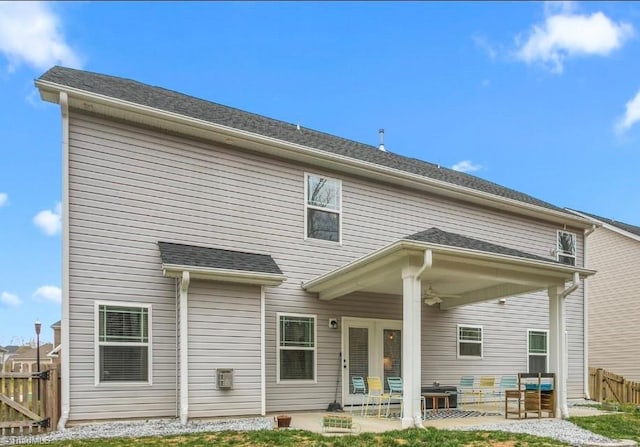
x: 323, y: 197
x: 123, y: 343
x: 469, y: 341
x: 566, y: 248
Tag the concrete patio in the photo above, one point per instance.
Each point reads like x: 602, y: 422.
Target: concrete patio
x: 312, y: 421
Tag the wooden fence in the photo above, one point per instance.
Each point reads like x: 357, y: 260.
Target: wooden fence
x: 606, y: 386
x: 29, y: 402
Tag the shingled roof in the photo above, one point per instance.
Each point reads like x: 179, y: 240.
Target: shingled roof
x: 437, y: 236
x: 194, y: 256
x: 614, y: 223
x: 171, y: 101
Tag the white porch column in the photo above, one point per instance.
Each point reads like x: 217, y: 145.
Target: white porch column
x: 558, y: 356
x: 184, y: 347
x: 411, y: 346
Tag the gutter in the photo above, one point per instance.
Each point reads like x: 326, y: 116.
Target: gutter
x: 263, y: 367
x: 64, y: 329
x: 298, y: 152
x: 184, y: 348
x: 226, y: 275
x: 585, y: 318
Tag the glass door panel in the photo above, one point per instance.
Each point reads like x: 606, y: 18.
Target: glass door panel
x: 392, y: 354
x: 358, y: 352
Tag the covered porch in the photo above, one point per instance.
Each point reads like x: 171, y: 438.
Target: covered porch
x: 449, y: 270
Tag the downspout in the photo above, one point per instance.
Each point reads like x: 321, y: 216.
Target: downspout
x: 428, y: 262
x: 184, y: 349
x: 263, y: 382
x: 585, y: 318
x: 564, y: 409
x: 64, y: 328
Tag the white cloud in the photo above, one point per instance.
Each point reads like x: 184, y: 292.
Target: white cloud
x: 567, y: 34
x: 482, y: 43
x: 631, y: 114
x: 48, y: 293
x: 49, y: 221
x: 466, y: 166
x: 31, y: 33
x: 4, y: 198
x: 10, y: 299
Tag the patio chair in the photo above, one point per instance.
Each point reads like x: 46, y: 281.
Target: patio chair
x: 486, y: 389
x: 358, y: 387
x: 506, y: 383
x: 395, y: 393
x: 376, y: 393
x: 466, y: 391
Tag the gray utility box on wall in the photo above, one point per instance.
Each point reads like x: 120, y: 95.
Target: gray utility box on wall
x: 224, y: 378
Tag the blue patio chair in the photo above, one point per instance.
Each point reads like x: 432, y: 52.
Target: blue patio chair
x: 395, y: 393
x: 358, y: 386
x: 466, y: 388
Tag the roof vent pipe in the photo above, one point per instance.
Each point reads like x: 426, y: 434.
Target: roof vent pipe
x: 381, y: 146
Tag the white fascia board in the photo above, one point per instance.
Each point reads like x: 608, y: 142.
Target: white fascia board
x: 223, y: 275
x: 273, y: 146
x: 549, y: 266
x: 405, y: 248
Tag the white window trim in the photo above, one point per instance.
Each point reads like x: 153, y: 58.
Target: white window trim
x: 575, y: 246
x: 329, y: 210
x: 279, y: 348
x: 546, y: 331
x: 481, y: 342
x: 97, y: 344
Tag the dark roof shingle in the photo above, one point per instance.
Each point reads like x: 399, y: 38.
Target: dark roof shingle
x: 621, y: 225
x: 191, y: 255
x: 437, y: 236
x: 171, y: 101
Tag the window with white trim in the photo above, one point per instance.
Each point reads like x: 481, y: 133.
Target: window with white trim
x: 537, y: 350
x: 469, y: 341
x: 323, y: 207
x: 566, y: 251
x: 123, y: 343
x: 296, y: 347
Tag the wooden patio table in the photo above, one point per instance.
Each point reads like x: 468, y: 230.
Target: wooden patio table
x: 434, y: 400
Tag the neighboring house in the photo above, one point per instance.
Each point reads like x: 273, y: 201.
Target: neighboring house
x: 9, y: 351
x: 220, y: 263
x: 3, y: 354
x: 25, y: 359
x: 614, y: 296
x: 54, y: 354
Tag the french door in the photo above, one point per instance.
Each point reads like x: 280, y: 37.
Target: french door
x: 370, y: 348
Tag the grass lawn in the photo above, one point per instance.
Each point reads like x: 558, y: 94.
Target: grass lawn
x: 299, y: 438
x: 623, y: 425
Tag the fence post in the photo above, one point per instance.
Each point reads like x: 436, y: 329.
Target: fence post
x: 598, y: 385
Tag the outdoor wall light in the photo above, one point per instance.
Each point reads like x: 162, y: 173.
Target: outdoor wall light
x: 333, y: 323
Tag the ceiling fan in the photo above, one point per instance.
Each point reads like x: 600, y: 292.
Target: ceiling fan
x: 431, y: 297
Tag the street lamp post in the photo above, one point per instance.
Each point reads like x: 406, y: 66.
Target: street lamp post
x: 38, y: 326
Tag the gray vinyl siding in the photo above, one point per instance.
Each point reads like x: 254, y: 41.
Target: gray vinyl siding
x: 614, y: 303
x: 224, y: 332
x: 131, y: 186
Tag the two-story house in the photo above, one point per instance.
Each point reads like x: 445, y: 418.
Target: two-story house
x: 218, y: 263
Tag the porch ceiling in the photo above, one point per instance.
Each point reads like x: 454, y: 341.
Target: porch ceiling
x: 457, y: 275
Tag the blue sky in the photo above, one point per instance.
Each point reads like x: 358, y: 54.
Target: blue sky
x: 540, y: 97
